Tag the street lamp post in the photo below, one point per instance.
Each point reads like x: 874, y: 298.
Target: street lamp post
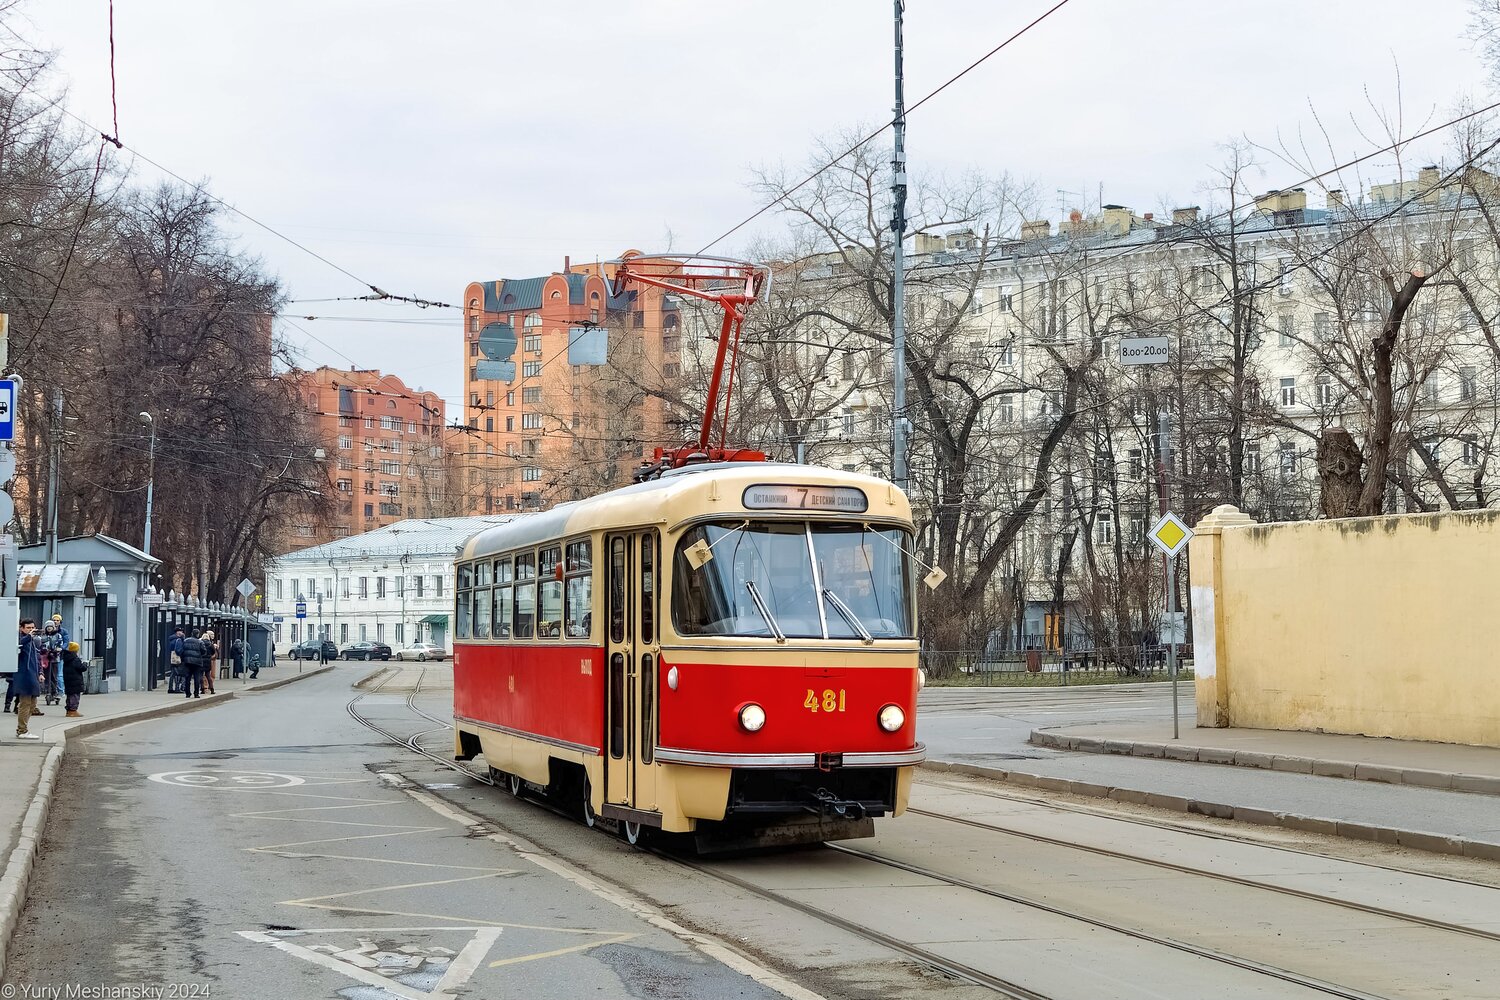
x: 150, y: 422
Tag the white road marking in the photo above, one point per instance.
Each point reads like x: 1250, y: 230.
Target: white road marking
x: 230, y: 781
x: 709, y: 946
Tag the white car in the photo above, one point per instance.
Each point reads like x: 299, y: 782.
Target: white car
x: 422, y: 651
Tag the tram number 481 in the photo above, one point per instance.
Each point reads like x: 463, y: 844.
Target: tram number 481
x: 829, y: 701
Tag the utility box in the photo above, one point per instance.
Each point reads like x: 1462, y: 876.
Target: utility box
x: 10, y: 623
x: 95, y: 683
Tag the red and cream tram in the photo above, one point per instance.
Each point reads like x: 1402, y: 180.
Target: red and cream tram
x: 728, y: 650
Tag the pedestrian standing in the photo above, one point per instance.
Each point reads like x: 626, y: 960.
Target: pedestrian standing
x: 49, y: 649
x: 212, y: 648
x: 28, y: 684
x: 177, y: 666
x: 73, y: 669
x: 237, y: 653
x: 273, y: 651
x: 323, y: 651
x: 195, y: 659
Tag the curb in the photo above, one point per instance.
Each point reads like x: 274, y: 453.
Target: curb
x: 16, y: 878
x: 1418, y: 840
x: 363, y: 684
x: 284, y: 681
x: 1480, y: 784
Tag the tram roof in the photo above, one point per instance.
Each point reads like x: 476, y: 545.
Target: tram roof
x: 676, y: 495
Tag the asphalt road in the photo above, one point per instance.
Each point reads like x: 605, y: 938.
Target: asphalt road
x: 254, y: 850
x: 978, y: 724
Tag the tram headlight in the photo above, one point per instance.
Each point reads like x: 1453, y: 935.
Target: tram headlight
x: 892, y: 718
x: 752, y: 717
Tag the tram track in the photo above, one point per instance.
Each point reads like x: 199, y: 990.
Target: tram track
x: 1186, y: 830
x: 411, y: 742
x: 959, y: 970
x: 1266, y: 886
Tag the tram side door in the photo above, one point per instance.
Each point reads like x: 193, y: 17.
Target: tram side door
x: 647, y: 653
x: 619, y: 651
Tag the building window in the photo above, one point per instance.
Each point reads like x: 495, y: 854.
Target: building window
x: 278, y: 589
x: 369, y: 423
x: 1471, y: 449
x: 437, y: 586
x: 473, y: 324
x: 1288, y: 455
x: 418, y: 581
x: 533, y: 343
x: 1468, y: 384
x: 401, y: 586
x: 671, y: 343
x: 531, y: 395
x: 294, y: 634
x: 489, y: 424
x: 344, y: 634
x: 1104, y: 527
x: 379, y: 632
x: 400, y: 634
x: 531, y: 369
x: 531, y: 474
x: 1288, y: 392
x: 532, y: 321
x: 345, y: 443
x: 1252, y: 458
x: 1324, y: 390
x: 1322, y: 327
x: 531, y: 421
x: 474, y: 349
x: 1136, y: 460
x: 1007, y: 356
x: 510, y: 398
x: 1007, y: 409
x: 364, y: 581
x: 637, y: 319
x: 380, y: 586
x: 1288, y: 332
x: 364, y: 633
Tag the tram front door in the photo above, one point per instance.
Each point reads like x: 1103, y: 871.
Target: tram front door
x: 632, y: 597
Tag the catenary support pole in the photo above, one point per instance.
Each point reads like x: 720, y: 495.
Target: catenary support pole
x: 898, y: 284
x: 54, y: 473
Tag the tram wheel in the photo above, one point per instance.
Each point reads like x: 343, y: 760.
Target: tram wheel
x: 515, y: 784
x: 632, y: 833
x: 586, y: 805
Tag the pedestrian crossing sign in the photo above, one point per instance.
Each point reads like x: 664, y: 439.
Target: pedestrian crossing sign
x: 1169, y: 534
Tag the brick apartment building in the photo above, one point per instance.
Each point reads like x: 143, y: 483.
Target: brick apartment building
x: 558, y: 431
x: 384, y: 450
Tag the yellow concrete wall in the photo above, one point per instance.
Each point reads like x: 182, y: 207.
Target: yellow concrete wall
x: 1382, y: 626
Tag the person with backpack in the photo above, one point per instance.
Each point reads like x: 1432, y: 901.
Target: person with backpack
x: 177, y: 668
x: 195, y: 657
x: 73, y: 671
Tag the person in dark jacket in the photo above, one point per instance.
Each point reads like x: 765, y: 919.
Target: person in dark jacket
x: 195, y: 660
x: 28, y: 683
x: 177, y: 668
x: 237, y: 653
x: 73, y: 670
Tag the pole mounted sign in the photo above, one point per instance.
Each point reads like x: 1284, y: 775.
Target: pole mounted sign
x: 1171, y: 536
x: 7, y: 409
x: 1145, y: 350
x: 301, y: 609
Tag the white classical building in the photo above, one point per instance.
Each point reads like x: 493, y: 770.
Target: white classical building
x: 392, y: 585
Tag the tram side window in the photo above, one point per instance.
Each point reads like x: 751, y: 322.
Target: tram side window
x: 523, y: 621
x: 617, y: 564
x: 578, y: 609
x: 481, y: 600
x: 504, y: 599
x: 550, y: 573
x: 648, y: 589
x: 465, y: 627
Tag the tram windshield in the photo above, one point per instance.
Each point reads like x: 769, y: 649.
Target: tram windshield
x: 803, y: 581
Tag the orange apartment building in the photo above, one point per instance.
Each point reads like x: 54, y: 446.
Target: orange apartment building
x: 558, y: 431
x: 384, y: 449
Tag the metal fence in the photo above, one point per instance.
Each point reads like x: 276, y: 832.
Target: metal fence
x: 1051, y: 666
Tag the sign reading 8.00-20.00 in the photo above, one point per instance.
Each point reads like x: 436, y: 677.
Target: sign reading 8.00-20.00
x: 778, y: 496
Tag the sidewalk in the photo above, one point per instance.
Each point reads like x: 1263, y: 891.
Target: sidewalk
x: 31, y: 767
x: 1425, y: 796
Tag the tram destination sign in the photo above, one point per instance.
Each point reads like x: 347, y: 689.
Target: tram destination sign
x: 1145, y: 350
x: 776, y: 496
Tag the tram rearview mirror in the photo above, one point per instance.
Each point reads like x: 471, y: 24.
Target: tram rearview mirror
x: 699, y: 554
x: 933, y: 579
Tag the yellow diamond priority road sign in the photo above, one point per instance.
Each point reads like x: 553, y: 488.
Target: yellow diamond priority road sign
x: 1169, y: 534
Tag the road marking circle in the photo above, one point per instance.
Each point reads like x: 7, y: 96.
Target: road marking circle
x: 231, y: 780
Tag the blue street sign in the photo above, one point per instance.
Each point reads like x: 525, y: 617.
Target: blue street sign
x: 301, y: 609
x: 7, y: 409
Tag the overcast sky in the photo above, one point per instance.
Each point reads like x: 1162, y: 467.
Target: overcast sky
x: 425, y: 145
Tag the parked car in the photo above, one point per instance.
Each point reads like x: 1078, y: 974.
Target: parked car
x: 421, y: 651
x: 367, y: 651
x: 308, y: 650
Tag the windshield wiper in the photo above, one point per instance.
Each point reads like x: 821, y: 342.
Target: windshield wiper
x: 848, y: 615
x: 765, y: 612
